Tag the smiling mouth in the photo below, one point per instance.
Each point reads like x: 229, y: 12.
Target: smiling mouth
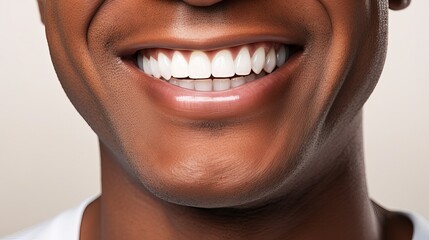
x: 201, y: 80
x: 217, y: 70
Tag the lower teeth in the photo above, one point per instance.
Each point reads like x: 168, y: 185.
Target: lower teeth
x: 215, y: 84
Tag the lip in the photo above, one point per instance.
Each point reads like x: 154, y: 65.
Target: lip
x: 246, y: 100
x: 206, y: 43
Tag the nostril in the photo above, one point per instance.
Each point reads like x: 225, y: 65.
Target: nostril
x: 201, y: 3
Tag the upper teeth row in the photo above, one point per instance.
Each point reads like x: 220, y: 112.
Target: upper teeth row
x: 222, y: 65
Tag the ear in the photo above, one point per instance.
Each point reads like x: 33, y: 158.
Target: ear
x: 399, y: 4
x: 42, y: 10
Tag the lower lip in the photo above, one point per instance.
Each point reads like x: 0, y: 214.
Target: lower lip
x: 242, y: 101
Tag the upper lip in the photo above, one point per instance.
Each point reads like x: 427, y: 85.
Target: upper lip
x: 175, y: 25
x: 130, y: 46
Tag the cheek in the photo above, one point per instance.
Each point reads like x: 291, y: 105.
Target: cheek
x: 66, y: 25
x: 357, y: 53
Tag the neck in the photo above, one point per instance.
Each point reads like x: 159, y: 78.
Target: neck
x: 336, y: 206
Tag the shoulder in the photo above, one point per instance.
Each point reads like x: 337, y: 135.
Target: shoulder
x: 65, y: 226
x: 420, y: 226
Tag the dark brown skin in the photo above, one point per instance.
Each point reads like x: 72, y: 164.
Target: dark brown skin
x: 291, y: 170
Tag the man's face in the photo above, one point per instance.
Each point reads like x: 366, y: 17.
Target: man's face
x: 226, y: 144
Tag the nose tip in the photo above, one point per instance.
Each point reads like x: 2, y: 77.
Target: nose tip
x: 201, y: 3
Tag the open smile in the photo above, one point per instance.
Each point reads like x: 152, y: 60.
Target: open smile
x: 216, y: 84
x: 218, y: 70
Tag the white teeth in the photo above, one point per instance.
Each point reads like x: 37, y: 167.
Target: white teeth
x: 270, y: 61
x: 223, y: 64
x: 174, y: 81
x: 258, y: 60
x: 243, y: 62
x: 205, y: 85
x: 188, y: 84
x: 217, y: 84
x: 144, y: 64
x: 221, y: 73
x: 164, y: 65
x: 199, y: 65
x: 220, y: 84
x: 238, y: 81
x: 154, y: 67
x: 140, y: 61
x: 179, y: 66
x: 282, y: 55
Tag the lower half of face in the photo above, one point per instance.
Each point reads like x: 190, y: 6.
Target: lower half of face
x: 220, y: 105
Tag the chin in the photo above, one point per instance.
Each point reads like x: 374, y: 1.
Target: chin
x: 200, y: 191
x: 212, y: 180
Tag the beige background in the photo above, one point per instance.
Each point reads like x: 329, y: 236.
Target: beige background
x: 49, y: 156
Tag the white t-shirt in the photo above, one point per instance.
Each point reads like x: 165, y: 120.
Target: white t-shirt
x: 66, y: 226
